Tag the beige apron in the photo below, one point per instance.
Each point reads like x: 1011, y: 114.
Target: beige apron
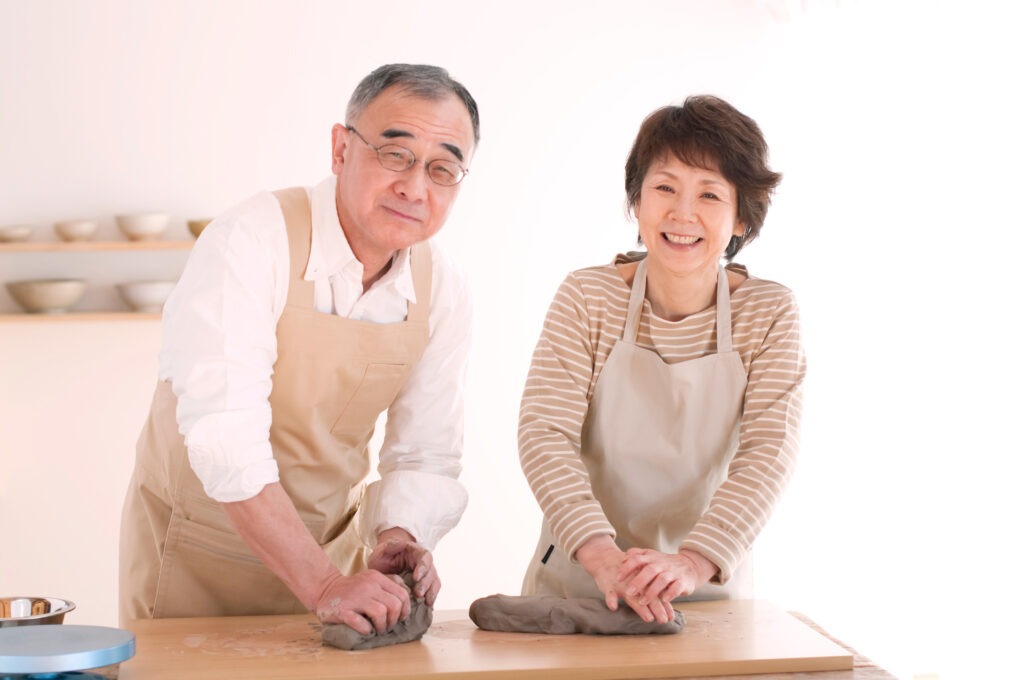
x: 657, y: 443
x: 180, y: 555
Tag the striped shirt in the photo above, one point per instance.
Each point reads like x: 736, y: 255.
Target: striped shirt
x: 585, y: 320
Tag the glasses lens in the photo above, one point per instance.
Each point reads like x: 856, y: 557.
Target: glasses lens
x: 394, y: 157
x: 445, y: 173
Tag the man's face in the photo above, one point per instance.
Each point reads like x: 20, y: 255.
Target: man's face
x: 383, y: 211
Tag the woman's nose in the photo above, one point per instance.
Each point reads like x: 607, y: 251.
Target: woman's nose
x: 683, y: 211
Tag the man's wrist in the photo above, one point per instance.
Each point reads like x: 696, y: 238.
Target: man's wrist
x: 395, y: 534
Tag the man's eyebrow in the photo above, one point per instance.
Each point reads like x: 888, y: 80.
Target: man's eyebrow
x: 394, y: 133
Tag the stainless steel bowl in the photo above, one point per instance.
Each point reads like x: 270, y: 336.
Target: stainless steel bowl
x: 27, y: 611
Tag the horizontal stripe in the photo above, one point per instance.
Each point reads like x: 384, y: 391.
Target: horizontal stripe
x: 583, y: 323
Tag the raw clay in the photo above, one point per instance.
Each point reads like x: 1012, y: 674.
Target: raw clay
x: 563, y: 616
x: 412, y: 628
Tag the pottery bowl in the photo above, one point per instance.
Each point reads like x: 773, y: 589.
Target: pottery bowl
x: 29, y: 611
x: 146, y: 296
x: 46, y: 296
x: 143, y: 226
x: 76, y: 230
x: 196, y: 226
x: 15, y: 233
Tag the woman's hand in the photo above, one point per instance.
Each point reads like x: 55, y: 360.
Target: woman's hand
x: 397, y: 551
x: 650, y: 575
x: 604, y: 561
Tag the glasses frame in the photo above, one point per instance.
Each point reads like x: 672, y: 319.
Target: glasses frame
x: 426, y: 164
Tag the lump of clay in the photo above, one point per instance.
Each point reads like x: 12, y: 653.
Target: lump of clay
x: 563, y: 616
x: 412, y: 628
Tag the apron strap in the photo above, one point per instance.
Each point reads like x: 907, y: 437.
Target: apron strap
x: 422, y: 278
x: 636, y: 302
x: 298, y: 220
x: 724, y: 311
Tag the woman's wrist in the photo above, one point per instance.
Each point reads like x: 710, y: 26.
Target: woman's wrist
x: 592, y: 553
x: 704, y: 568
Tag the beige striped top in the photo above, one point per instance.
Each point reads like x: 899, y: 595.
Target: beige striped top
x: 583, y: 323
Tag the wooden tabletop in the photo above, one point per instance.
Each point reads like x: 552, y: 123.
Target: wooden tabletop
x: 728, y: 638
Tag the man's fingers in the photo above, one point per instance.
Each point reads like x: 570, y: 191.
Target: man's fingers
x: 357, y: 623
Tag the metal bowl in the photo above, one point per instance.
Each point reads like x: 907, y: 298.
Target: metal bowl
x: 28, y: 611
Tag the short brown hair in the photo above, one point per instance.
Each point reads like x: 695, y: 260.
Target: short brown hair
x: 708, y: 132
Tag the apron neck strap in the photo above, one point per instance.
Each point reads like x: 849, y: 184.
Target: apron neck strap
x: 422, y: 265
x: 298, y: 221
x: 724, y: 311
x: 636, y: 303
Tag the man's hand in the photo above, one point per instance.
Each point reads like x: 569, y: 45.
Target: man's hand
x: 397, y: 551
x: 271, y: 527
x: 365, y: 598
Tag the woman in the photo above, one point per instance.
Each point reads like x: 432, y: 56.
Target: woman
x: 659, y: 421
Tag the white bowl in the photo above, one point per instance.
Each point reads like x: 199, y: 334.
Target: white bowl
x: 146, y: 296
x: 143, y: 226
x: 15, y: 233
x: 76, y: 230
x: 46, y: 296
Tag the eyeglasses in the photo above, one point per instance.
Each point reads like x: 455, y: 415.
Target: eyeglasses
x: 397, y: 158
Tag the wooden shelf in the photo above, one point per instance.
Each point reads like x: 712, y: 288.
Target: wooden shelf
x: 25, y: 317
x: 91, y: 246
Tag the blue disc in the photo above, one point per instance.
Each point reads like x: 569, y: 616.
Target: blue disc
x: 54, y: 648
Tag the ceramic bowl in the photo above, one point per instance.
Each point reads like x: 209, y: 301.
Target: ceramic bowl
x: 29, y: 611
x: 146, y: 296
x: 15, y: 233
x: 46, y: 296
x: 143, y: 226
x: 76, y: 230
x: 196, y: 226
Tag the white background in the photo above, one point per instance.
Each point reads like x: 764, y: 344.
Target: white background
x: 897, y: 126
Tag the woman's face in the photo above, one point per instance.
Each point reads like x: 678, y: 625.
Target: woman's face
x: 687, y: 215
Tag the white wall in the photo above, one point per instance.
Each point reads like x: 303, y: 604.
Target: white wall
x: 896, y: 124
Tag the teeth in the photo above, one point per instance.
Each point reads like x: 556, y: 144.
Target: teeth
x: 684, y: 240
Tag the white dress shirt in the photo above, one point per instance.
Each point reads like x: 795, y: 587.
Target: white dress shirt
x: 220, y: 345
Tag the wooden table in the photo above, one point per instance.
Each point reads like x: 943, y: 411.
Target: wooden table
x: 725, y: 639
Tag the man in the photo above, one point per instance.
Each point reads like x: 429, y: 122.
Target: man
x: 300, y: 317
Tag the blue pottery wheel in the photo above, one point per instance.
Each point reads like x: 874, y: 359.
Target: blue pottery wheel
x: 56, y: 648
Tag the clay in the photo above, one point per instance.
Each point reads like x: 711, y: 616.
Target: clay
x: 407, y: 630
x: 563, y: 616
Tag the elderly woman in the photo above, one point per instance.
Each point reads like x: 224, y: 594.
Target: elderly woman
x: 659, y: 421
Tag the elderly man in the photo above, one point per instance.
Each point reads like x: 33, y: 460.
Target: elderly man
x: 301, y: 316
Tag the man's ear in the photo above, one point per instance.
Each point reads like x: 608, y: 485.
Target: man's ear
x: 339, y: 142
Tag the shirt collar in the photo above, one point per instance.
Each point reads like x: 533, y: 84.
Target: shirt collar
x: 331, y: 254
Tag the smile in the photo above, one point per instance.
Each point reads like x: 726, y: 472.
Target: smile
x: 681, y: 240
x: 403, y: 215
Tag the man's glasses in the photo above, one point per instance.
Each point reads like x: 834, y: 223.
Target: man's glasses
x: 397, y: 158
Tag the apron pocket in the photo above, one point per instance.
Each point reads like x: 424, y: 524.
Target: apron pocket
x: 377, y: 389
x: 206, y: 571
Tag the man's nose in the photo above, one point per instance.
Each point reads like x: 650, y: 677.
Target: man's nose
x: 413, y: 182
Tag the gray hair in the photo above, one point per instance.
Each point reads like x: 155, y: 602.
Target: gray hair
x: 419, y: 80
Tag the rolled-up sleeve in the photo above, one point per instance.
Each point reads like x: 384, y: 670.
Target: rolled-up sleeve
x: 219, y: 347
x: 420, y: 458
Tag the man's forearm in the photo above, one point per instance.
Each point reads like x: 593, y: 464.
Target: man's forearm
x: 271, y: 527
